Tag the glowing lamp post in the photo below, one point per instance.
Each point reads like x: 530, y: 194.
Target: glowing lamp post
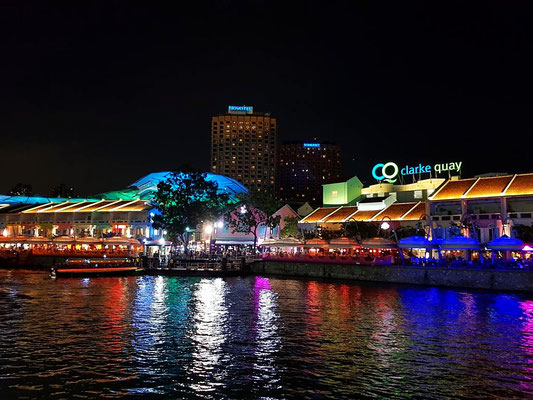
x: 208, y: 229
x: 386, y: 224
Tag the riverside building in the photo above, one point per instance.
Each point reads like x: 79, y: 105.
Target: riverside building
x: 79, y: 226
x: 244, y: 147
x: 304, y: 167
x: 490, y: 206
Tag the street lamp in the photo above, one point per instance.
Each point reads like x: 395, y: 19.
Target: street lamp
x: 386, y: 224
x: 208, y: 229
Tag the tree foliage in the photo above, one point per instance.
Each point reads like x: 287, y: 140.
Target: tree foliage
x: 252, y: 211
x: 21, y: 189
x: 290, y: 229
x: 186, y: 199
x: 360, y: 230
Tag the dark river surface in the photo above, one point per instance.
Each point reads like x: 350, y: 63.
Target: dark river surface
x: 258, y: 337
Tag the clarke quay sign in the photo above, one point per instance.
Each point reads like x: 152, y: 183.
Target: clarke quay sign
x: 390, y: 170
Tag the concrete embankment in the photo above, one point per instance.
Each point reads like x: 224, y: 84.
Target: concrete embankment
x: 513, y: 280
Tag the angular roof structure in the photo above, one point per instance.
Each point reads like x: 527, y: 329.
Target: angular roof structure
x: 397, y: 212
x: 482, y: 187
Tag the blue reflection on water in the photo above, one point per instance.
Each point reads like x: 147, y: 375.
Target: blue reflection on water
x: 260, y: 337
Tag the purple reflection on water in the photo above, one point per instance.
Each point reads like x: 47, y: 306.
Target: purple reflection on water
x: 260, y: 284
x: 527, y: 339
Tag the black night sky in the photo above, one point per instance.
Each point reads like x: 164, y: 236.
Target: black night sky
x: 98, y: 94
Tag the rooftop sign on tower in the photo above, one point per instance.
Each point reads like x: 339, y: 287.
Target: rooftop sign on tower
x: 240, y: 110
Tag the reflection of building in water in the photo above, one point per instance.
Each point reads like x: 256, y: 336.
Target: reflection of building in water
x: 209, y: 333
x: 267, y: 340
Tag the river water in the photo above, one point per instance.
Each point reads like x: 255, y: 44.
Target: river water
x: 258, y: 337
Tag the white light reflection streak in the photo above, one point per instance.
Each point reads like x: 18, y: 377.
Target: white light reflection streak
x: 267, y: 336
x: 149, y: 319
x: 209, y: 334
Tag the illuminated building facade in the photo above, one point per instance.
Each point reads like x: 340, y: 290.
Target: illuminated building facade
x: 304, y: 168
x: 491, y: 206
x: 124, y: 213
x: 244, y: 147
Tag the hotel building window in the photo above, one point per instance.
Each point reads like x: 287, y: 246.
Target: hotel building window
x: 304, y: 167
x: 244, y: 143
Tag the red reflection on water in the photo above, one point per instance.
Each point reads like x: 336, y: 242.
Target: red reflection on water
x: 313, y: 307
x: 115, y: 304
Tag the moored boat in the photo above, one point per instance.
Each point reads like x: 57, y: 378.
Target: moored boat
x: 96, y: 267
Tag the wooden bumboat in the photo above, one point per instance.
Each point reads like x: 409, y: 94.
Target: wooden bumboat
x: 95, y: 267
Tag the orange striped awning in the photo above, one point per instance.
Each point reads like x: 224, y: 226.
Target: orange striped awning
x: 489, y: 186
x: 341, y: 214
x: 319, y: 214
x: 521, y: 185
x: 454, y: 189
x: 396, y: 211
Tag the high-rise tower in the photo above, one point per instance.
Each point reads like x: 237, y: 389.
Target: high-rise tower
x: 244, y: 147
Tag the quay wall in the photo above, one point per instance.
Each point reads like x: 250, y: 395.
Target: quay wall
x: 514, y: 280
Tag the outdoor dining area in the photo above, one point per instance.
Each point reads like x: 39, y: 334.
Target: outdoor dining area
x: 461, y: 252
x: 374, y: 251
x: 67, y: 246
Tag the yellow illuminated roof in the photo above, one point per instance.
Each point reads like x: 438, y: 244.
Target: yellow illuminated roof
x: 520, y: 185
x: 341, y: 214
x: 318, y: 214
x: 364, y: 215
x: 489, y: 186
x: 395, y: 211
x: 85, y: 206
x: 415, y: 213
x: 113, y: 205
x: 453, y: 189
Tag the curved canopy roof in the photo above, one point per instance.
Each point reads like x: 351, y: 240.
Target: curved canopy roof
x: 147, y: 185
x: 36, y: 199
x: 460, y: 243
x: 505, y: 243
x: 415, y: 242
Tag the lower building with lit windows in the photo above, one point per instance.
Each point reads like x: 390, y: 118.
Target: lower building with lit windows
x: 304, y: 167
x: 120, y: 220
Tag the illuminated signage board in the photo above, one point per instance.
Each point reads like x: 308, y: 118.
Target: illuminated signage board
x: 390, y: 170
x: 248, y: 109
x: 311, y: 144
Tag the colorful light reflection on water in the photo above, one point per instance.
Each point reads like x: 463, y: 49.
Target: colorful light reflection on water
x: 259, y: 337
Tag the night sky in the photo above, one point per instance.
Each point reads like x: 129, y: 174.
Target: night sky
x: 99, y: 94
